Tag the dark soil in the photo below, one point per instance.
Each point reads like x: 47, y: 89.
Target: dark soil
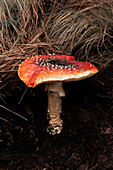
x: 85, y: 143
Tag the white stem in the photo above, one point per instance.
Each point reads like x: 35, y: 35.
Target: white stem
x: 55, y: 92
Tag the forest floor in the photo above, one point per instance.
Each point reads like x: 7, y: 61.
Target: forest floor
x: 85, y: 143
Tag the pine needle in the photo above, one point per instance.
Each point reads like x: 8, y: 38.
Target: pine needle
x: 13, y: 112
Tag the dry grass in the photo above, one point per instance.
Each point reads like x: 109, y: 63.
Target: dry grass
x: 21, y: 33
x: 83, y: 28
x: 79, y: 27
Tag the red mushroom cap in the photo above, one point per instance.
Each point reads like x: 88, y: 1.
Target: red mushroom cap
x: 51, y: 68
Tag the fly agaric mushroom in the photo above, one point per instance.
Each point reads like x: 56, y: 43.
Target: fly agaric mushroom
x: 53, y: 70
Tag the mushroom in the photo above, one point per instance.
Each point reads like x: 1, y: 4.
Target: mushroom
x: 53, y: 70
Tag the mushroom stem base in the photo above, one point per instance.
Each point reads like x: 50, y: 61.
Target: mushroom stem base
x: 55, y: 92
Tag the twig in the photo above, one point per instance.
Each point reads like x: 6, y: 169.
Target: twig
x: 13, y: 112
x: 4, y: 119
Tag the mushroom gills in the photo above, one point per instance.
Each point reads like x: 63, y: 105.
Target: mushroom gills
x: 55, y: 92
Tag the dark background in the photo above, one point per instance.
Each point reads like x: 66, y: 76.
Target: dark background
x: 86, y: 141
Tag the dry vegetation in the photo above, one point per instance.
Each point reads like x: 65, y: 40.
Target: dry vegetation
x: 82, y: 28
x: 21, y: 33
